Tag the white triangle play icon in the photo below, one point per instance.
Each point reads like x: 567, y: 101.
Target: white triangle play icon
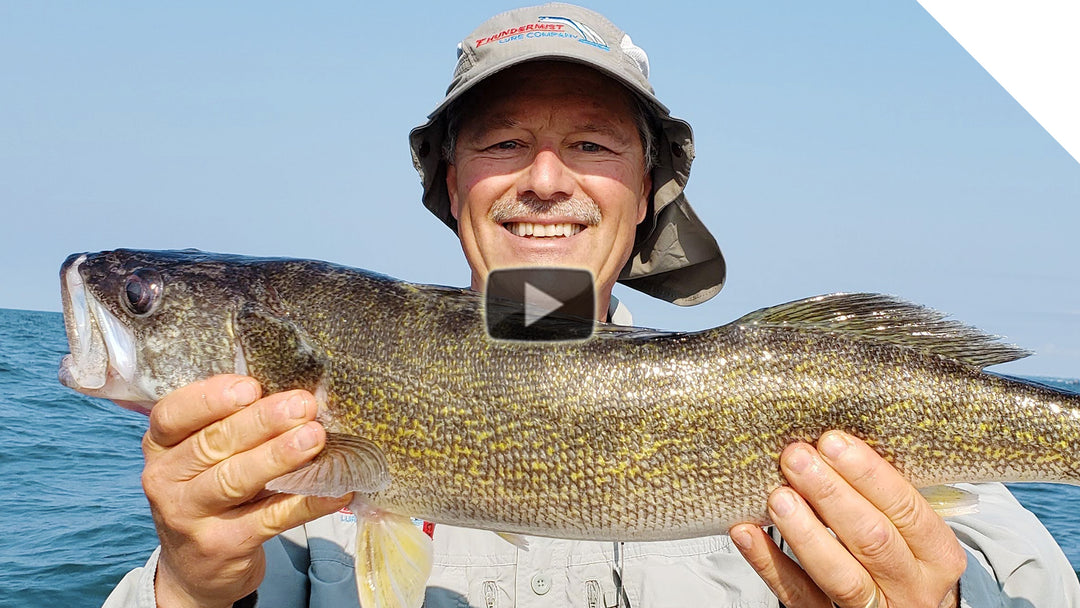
x: 538, y: 304
x: 543, y: 304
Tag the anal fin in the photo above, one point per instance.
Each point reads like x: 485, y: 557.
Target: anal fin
x: 393, y: 559
x: 949, y: 501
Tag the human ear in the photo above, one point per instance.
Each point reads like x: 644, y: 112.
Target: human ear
x: 643, y: 201
x: 451, y: 189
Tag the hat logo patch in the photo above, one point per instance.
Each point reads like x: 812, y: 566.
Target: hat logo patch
x: 548, y: 27
x: 586, y: 34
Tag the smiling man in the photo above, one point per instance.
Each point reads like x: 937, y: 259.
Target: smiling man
x: 551, y: 148
x: 552, y: 173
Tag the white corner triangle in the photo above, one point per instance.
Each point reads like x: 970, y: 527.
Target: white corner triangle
x: 1031, y: 48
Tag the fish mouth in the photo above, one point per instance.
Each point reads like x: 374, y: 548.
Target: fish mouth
x: 102, y: 362
x: 543, y: 230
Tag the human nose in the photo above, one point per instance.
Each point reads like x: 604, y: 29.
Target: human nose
x: 547, y: 177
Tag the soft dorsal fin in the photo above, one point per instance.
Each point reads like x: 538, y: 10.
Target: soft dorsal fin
x: 890, y: 320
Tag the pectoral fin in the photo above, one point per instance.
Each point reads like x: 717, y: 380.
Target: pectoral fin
x: 393, y: 559
x: 346, y: 464
x: 276, y: 351
x: 949, y: 501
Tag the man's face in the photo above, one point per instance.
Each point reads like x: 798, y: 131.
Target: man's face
x: 549, y: 170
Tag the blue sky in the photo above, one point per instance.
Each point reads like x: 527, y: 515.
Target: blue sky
x: 842, y: 146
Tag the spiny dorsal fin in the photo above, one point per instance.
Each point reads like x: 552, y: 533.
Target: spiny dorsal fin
x: 891, y: 320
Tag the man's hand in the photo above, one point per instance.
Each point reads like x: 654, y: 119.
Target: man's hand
x: 888, y: 541
x: 211, y: 448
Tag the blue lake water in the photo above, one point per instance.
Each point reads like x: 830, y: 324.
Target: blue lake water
x: 72, y: 513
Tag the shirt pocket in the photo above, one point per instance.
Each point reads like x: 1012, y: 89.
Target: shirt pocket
x: 691, y: 572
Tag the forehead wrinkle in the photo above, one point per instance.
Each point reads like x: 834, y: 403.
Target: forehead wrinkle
x: 603, y: 127
x: 484, y: 122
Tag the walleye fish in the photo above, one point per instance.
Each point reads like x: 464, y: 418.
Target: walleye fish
x: 632, y: 435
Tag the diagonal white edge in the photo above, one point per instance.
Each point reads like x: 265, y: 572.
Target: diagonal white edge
x: 538, y: 304
x: 1032, y: 49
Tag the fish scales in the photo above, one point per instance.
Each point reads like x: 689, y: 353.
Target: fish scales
x: 641, y: 440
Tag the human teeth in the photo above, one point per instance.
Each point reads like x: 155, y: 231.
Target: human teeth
x: 543, y: 230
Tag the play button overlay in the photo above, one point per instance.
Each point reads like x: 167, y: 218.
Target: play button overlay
x: 539, y: 304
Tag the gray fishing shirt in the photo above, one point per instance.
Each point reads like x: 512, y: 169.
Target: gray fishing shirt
x: 1012, y: 561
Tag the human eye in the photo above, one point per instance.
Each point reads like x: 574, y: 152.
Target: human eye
x: 591, y: 147
x: 500, y: 145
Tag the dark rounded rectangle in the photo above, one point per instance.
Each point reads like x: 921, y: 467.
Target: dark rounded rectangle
x: 540, y: 303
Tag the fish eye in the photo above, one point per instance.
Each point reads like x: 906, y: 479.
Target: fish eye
x: 142, y: 291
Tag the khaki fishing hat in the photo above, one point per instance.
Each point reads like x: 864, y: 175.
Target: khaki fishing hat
x: 675, y: 258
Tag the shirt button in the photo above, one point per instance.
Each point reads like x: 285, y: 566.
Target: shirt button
x: 540, y: 584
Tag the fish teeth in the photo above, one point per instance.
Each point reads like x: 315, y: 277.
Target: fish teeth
x: 543, y: 230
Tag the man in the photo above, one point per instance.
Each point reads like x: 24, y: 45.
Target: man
x: 550, y: 148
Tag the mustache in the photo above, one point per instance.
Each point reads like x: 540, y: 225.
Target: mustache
x: 582, y: 210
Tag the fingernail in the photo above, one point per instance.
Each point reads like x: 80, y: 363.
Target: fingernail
x: 296, y: 406
x: 782, y: 503
x: 741, y: 538
x: 305, y: 438
x: 799, y: 459
x: 243, y: 392
x: 833, y: 445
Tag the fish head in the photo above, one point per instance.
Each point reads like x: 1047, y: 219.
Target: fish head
x: 141, y: 324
